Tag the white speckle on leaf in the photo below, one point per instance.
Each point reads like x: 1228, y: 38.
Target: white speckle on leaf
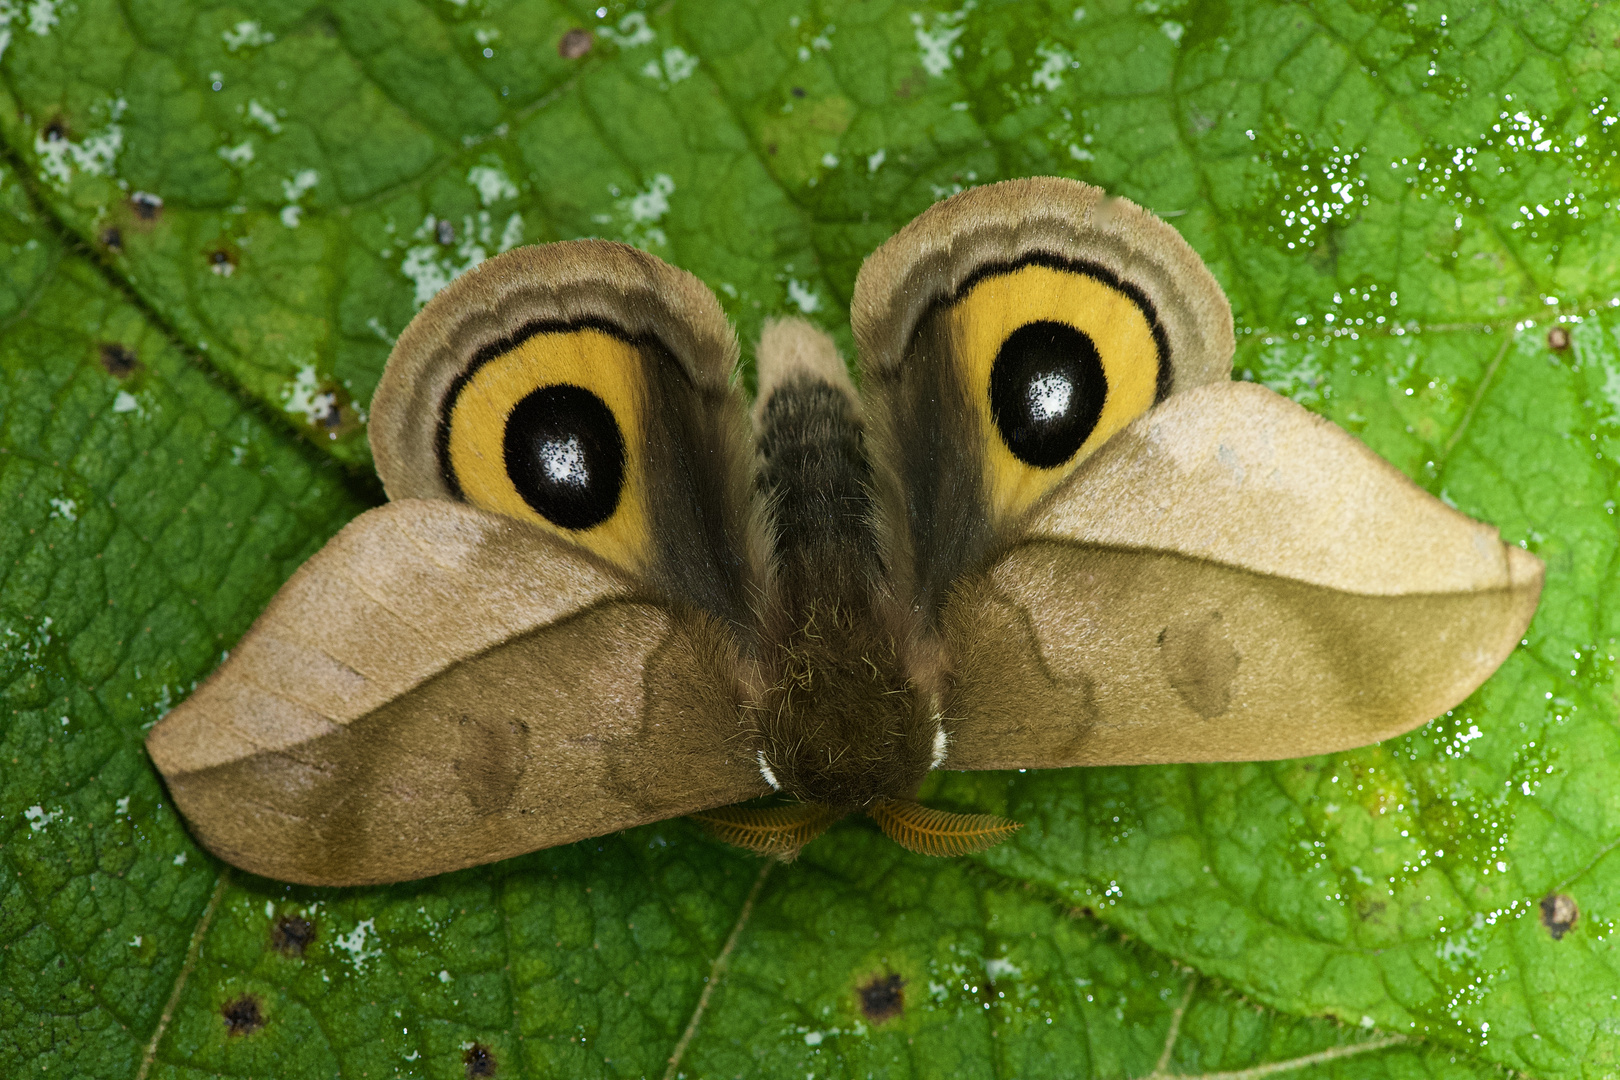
x: 874, y: 161
x: 121, y: 805
x: 355, y: 941
x: 444, y: 976
x: 512, y: 235
x: 303, y: 396
x: 829, y: 161
x: 38, y: 819
x: 240, y: 154
x: 1172, y: 30
x: 127, y: 402
x: 431, y: 265
x: 68, y: 509
x: 246, y: 34
x: 1054, y: 62
x: 491, y: 183
x: 678, y: 64
x: 94, y: 155
x: 936, y: 39
x: 180, y: 859
x: 633, y: 31
x: 812, y: 1038
x: 263, y: 117
x: 375, y: 325
x: 294, y: 189
x: 998, y: 967
x: 651, y: 205
x: 803, y: 295
x: 1080, y: 153
x: 42, y: 16
x: 135, y: 942
x: 1611, y: 385
x: 641, y: 213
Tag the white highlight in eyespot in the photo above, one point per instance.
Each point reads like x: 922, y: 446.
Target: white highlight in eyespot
x: 564, y: 462
x: 765, y: 771
x: 940, y: 743
x: 1049, y: 396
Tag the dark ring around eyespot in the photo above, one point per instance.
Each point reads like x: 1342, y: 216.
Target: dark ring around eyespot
x: 1164, y: 377
x: 487, y: 353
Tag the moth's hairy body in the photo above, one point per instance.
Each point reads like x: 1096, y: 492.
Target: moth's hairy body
x: 851, y: 713
x: 1049, y: 531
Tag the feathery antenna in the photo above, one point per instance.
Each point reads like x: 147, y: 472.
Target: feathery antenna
x: 780, y: 831
x: 938, y: 832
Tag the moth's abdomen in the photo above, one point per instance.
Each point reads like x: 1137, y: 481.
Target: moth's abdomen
x: 843, y: 720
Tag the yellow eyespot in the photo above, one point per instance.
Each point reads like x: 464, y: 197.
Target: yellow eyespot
x: 549, y: 430
x: 1057, y: 358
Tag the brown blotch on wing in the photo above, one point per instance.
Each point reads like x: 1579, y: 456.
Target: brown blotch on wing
x: 1200, y: 662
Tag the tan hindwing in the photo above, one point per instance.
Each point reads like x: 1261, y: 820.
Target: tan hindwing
x: 442, y: 686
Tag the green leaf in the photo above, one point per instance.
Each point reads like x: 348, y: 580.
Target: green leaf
x: 215, y: 220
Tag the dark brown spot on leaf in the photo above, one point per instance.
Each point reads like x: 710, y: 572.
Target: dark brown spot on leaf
x: 56, y: 130
x: 119, y: 360
x: 1558, y: 914
x: 575, y: 44
x: 445, y: 233
x: 883, y: 998
x: 147, y: 206
x: 1558, y: 339
x: 112, y: 239
x: 243, y: 1016
x: 480, y: 1060
x: 291, y: 935
x: 798, y: 91
x: 222, y: 261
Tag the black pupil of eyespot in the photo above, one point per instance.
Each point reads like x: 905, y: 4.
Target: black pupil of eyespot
x: 565, y: 455
x: 1047, y: 389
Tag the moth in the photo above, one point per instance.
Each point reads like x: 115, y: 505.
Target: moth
x: 1048, y: 530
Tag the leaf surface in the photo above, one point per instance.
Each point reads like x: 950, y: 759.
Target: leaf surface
x: 216, y: 219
